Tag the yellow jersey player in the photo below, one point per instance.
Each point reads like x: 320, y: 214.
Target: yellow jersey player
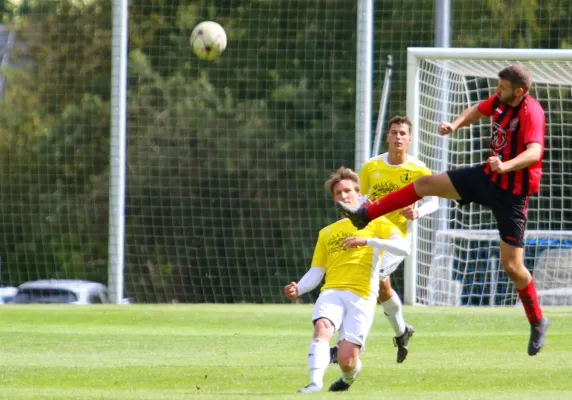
x: 349, y: 259
x: 380, y: 176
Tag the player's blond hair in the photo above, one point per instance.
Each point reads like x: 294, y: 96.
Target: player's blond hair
x: 341, y: 174
x: 518, y: 75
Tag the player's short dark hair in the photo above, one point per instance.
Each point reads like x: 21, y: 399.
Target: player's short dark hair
x: 399, y: 120
x: 341, y: 174
x: 518, y: 75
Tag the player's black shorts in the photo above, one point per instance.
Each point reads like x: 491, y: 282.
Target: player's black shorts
x: 473, y: 185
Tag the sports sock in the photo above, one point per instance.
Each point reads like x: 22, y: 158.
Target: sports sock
x: 349, y: 377
x: 393, y: 201
x: 318, y: 360
x: 392, y: 310
x: 530, y: 303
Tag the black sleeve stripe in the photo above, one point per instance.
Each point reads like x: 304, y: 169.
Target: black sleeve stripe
x: 513, y: 147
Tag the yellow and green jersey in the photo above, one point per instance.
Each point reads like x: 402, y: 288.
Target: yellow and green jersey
x: 379, y: 178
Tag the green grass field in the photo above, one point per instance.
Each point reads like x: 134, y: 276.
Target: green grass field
x: 260, y: 352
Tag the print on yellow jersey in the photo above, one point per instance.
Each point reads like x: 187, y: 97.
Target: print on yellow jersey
x: 355, y: 268
x: 379, y: 178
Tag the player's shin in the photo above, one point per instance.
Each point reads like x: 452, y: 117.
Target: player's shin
x: 350, y: 376
x: 318, y: 360
x: 529, y: 300
x: 393, y: 311
x: 393, y: 201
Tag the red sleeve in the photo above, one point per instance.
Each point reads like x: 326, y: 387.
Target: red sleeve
x: 533, y: 125
x: 486, y: 106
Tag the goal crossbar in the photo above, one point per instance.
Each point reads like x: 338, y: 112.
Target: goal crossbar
x: 451, y: 53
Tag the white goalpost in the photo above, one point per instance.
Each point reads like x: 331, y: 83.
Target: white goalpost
x: 455, y: 257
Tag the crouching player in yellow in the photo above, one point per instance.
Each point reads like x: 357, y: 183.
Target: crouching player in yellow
x: 349, y: 259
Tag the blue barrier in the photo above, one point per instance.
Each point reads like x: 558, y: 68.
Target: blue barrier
x: 477, y: 267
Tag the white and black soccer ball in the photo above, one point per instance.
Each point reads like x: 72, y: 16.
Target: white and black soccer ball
x: 208, y: 40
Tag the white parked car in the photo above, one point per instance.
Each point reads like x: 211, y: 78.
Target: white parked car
x: 7, y: 293
x: 60, y: 291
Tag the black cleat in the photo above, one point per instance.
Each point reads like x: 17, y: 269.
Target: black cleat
x: 358, y: 216
x: 402, y: 342
x: 537, y: 336
x: 339, y: 386
x: 334, y: 355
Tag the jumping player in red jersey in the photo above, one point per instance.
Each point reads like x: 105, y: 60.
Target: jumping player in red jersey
x: 503, y: 183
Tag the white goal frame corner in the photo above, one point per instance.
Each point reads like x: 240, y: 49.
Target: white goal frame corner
x: 414, y: 57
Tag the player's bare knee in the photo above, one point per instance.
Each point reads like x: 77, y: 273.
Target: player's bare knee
x: 385, y: 291
x: 436, y: 185
x: 512, y: 261
x: 383, y: 297
x: 513, y: 267
x: 348, y: 363
x: 348, y: 355
x: 323, y: 328
x: 422, y: 185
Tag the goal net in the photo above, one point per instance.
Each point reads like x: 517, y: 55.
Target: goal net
x: 456, y: 261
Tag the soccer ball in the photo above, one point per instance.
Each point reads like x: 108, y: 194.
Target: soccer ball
x: 208, y: 40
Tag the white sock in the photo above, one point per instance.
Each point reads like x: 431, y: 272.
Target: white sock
x: 318, y: 360
x: 349, y: 377
x: 392, y: 309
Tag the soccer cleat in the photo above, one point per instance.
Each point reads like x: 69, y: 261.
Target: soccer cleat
x: 334, y: 355
x: 339, y: 386
x: 358, y: 216
x: 401, y: 342
x: 537, y: 336
x: 310, y: 388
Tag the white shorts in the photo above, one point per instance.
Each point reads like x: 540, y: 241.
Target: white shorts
x: 390, y: 262
x: 351, y: 314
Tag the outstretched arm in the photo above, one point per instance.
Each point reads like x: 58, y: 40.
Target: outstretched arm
x: 430, y: 205
x: 308, y: 282
x: 396, y: 244
x: 470, y: 115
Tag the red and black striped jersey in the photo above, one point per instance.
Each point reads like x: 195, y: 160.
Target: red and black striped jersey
x: 513, y: 128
